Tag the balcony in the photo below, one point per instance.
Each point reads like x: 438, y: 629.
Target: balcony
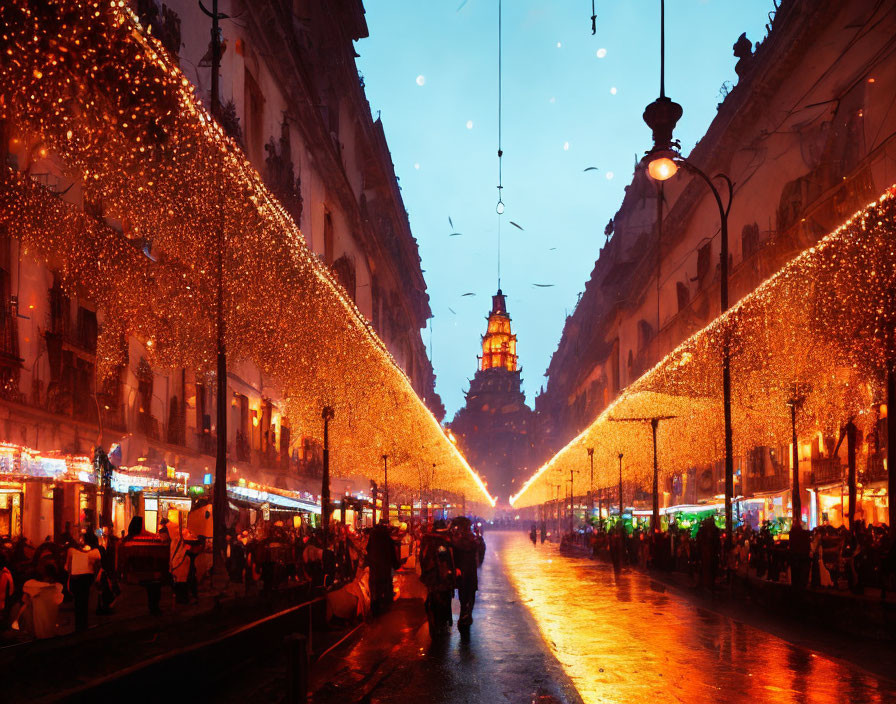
x: 875, y: 471
x: 827, y: 471
x: 148, y: 425
x: 770, y: 482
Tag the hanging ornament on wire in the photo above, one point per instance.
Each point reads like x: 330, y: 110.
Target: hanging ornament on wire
x: 499, y: 208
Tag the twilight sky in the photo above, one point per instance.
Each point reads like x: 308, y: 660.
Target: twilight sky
x: 571, y: 101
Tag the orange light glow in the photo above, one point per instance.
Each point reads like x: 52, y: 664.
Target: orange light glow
x: 662, y: 169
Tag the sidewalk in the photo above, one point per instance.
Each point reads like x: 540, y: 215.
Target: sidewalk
x: 128, y: 636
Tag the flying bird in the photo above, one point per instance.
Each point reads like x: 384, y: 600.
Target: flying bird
x: 456, y: 234
x: 552, y: 249
x: 450, y: 222
x: 469, y: 294
x: 592, y: 168
x: 461, y: 6
x: 516, y: 226
x: 543, y: 285
x: 452, y: 310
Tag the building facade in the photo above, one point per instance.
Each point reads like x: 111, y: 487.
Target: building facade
x: 808, y: 137
x: 494, y: 427
x: 292, y: 97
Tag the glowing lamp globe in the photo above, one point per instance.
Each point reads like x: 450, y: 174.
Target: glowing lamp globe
x: 662, y: 169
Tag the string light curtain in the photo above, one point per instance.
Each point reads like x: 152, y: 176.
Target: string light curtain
x: 820, y: 333
x: 83, y: 81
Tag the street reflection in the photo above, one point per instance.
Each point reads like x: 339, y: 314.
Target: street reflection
x: 624, y: 638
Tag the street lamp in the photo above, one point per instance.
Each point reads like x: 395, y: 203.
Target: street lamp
x: 620, y: 486
x: 654, y: 424
x: 386, y: 486
x: 662, y: 163
x: 572, y: 500
x: 795, y: 401
x: 327, y: 414
x: 591, y: 490
x: 219, y: 497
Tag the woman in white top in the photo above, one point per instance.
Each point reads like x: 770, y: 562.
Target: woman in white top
x: 81, y: 563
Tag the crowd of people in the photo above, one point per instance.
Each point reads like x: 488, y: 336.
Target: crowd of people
x: 824, y: 557
x: 89, y: 566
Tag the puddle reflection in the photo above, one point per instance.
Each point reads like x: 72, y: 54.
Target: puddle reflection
x: 621, y: 638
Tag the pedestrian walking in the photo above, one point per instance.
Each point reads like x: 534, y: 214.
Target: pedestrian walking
x: 81, y: 563
x: 533, y: 535
x: 382, y: 558
x: 466, y: 560
x: 437, y: 572
x: 7, y: 587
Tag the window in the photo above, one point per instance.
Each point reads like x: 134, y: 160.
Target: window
x: 254, y: 111
x: 344, y: 268
x: 615, y: 381
x: 328, y: 238
x: 145, y: 381
x: 703, y: 258
x: 645, y: 334
x: 749, y: 241
x: 684, y: 295
x: 87, y: 329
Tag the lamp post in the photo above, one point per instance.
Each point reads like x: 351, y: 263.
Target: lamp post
x: 591, y: 488
x: 620, y: 486
x: 662, y: 163
x: 654, y: 424
x: 572, y: 500
x: 327, y: 414
x: 796, y: 500
x: 219, y: 498
x: 556, y: 508
x: 386, y: 487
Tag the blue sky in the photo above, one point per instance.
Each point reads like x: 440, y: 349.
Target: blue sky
x: 571, y: 101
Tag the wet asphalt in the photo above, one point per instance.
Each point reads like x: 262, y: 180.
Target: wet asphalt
x: 552, y: 628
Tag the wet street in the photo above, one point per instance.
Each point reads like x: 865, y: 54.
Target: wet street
x: 552, y: 628
x: 627, y: 638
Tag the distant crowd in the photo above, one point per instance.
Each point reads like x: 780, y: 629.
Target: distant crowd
x: 825, y: 557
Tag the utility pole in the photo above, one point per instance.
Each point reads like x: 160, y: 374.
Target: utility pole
x: 219, y: 505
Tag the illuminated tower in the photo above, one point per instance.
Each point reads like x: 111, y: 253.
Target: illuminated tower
x: 495, y: 425
x: 498, y: 343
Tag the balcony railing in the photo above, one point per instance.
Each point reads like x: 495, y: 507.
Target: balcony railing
x: 770, y: 482
x: 827, y: 471
x: 875, y: 470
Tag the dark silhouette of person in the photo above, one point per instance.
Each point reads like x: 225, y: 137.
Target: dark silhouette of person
x: 382, y: 558
x: 466, y: 560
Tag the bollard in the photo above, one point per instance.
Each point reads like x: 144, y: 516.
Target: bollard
x: 296, y: 668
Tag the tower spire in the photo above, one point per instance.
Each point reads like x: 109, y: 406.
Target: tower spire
x: 499, y: 342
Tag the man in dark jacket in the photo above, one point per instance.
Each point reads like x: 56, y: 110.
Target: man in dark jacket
x: 466, y: 559
x: 382, y: 558
x: 437, y: 572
